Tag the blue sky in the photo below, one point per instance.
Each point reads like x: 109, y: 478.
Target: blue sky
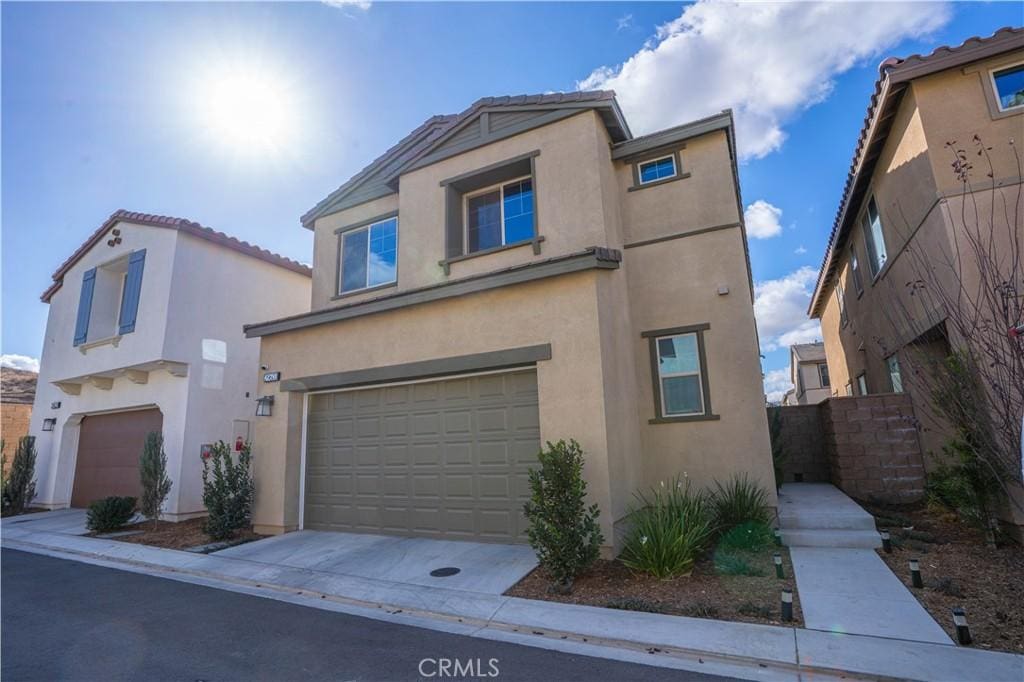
x: 103, y: 108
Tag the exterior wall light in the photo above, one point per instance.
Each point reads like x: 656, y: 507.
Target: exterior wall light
x: 49, y: 423
x: 264, y: 406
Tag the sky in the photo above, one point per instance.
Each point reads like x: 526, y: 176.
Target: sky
x: 141, y: 106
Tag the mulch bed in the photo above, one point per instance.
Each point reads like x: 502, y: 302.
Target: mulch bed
x: 180, y: 535
x: 703, y: 594
x: 959, y: 569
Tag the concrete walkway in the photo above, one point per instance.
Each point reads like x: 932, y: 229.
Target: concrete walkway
x: 844, y: 588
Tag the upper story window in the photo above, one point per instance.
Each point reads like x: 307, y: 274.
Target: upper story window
x: 862, y: 384
x: 108, y: 304
x: 1009, y: 87
x: 823, y: 374
x: 841, y: 301
x: 500, y: 215
x: 892, y: 363
x: 657, y: 169
x: 874, y: 237
x: 369, y: 256
x: 858, y: 283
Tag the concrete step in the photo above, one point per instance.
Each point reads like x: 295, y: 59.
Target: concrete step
x: 808, y: 537
x: 815, y: 520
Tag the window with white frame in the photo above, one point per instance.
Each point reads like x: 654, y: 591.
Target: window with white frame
x: 500, y: 215
x: 862, y: 384
x: 858, y: 283
x: 369, y: 256
x: 1009, y: 87
x: 849, y: 388
x: 657, y: 169
x: 823, y: 374
x: 874, y: 237
x: 841, y: 301
x: 681, y: 384
x: 895, y: 378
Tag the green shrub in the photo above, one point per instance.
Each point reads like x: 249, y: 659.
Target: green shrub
x: 19, y: 486
x: 738, y: 501
x: 109, y: 513
x: 966, y: 486
x: 669, y: 529
x: 751, y: 536
x: 730, y: 563
x: 635, y: 604
x: 228, y: 490
x: 562, y: 530
x: 153, y: 475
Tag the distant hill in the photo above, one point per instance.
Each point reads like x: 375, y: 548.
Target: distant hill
x: 17, y: 385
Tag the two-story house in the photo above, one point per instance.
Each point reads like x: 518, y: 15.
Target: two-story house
x: 808, y: 370
x: 900, y: 251
x: 144, y: 334
x: 524, y: 271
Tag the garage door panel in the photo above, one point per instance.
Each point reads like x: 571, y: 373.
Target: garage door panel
x: 107, y: 460
x: 436, y: 459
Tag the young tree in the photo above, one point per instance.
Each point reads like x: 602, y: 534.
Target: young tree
x: 153, y: 474
x: 20, y: 487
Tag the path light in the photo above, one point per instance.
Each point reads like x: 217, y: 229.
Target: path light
x: 886, y: 541
x: 778, y: 538
x: 777, y: 558
x: 787, y: 606
x: 915, y: 573
x: 963, y: 631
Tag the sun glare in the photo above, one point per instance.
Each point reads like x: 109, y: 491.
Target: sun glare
x: 247, y: 110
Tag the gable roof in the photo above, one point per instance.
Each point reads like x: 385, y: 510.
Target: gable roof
x: 415, y: 150
x: 180, y: 224
x: 894, y: 76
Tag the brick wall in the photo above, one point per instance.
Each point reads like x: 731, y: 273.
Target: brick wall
x: 872, y: 447
x: 14, y: 418
x: 803, y: 443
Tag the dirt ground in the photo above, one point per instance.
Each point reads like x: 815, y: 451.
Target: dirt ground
x: 703, y: 594
x: 959, y: 570
x: 181, y: 535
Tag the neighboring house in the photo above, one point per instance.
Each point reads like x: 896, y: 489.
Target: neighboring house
x: 904, y: 209
x: 144, y: 334
x: 524, y: 271
x: 17, y: 391
x: 808, y: 370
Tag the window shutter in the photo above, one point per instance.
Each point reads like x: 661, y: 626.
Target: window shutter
x: 453, y: 222
x: 84, y: 306
x: 130, y: 297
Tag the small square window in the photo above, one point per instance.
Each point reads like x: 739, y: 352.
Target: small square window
x: 657, y: 169
x: 369, y: 256
x: 1009, y: 86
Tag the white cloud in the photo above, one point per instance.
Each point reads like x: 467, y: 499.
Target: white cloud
x: 776, y: 383
x: 349, y: 4
x: 780, y: 306
x: 19, y: 362
x: 766, y: 61
x: 624, y: 22
x: 800, y: 250
x: 762, y: 220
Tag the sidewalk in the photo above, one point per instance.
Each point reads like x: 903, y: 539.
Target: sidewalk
x: 749, y: 651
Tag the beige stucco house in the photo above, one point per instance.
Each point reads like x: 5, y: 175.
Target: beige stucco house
x: 905, y: 222
x: 524, y: 271
x: 808, y: 370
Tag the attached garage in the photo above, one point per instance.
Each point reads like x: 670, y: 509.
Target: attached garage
x: 442, y: 459
x: 109, y: 446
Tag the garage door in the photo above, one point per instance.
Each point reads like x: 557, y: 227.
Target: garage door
x: 109, y: 446
x: 437, y: 459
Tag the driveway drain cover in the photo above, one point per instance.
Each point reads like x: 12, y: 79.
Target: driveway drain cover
x: 444, y: 572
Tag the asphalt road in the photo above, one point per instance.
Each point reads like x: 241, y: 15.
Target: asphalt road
x: 64, y: 620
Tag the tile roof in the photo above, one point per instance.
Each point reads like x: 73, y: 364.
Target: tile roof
x: 421, y: 140
x: 180, y: 224
x: 894, y: 75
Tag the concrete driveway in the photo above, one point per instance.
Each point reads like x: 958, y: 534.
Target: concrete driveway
x: 483, y: 567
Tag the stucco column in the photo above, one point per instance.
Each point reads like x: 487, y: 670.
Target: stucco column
x: 277, y: 454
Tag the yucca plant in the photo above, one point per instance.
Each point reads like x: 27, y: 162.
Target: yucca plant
x: 738, y: 501
x: 671, y: 526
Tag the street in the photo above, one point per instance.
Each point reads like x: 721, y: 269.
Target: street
x: 65, y: 620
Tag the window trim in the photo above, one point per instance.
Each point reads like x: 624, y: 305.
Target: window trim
x: 640, y: 165
x: 652, y: 337
x: 356, y: 227
x: 677, y: 162
x: 821, y: 382
x: 995, y: 89
x: 501, y: 206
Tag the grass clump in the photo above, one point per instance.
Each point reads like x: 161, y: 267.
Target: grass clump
x: 635, y: 604
x: 740, y: 500
x: 671, y: 526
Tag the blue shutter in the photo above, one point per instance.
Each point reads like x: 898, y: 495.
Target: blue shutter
x: 84, y: 306
x: 130, y: 296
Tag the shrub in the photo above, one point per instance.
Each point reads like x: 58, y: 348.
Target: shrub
x: 967, y: 486
x: 635, y: 604
x: 751, y: 536
x: 19, y: 488
x: 153, y: 473
x: 729, y: 563
x: 109, y: 513
x: 738, y: 501
x: 228, y: 490
x: 670, y: 527
x: 562, y: 531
